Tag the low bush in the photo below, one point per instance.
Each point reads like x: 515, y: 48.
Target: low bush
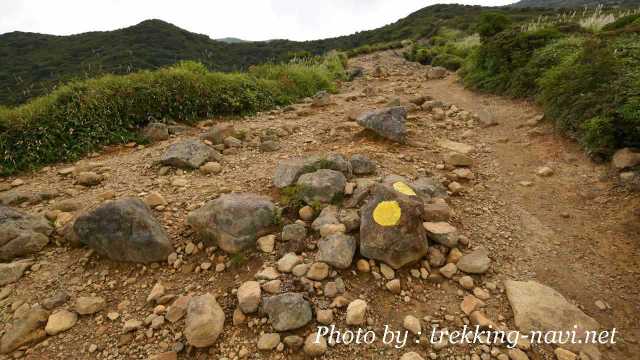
x: 80, y: 116
x: 449, y: 61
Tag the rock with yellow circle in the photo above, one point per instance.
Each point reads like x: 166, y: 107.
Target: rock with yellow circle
x: 391, y: 226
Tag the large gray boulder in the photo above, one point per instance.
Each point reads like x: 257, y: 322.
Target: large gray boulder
x: 188, y: 154
x: 21, y: 234
x: 337, y: 250
x: 288, y: 311
x: 124, y: 230
x: 388, y: 123
x: 323, y: 186
x: 537, y: 307
x: 391, y: 227
x: 234, y: 221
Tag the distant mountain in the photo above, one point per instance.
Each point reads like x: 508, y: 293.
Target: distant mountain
x: 231, y: 40
x: 573, y: 3
x: 33, y: 64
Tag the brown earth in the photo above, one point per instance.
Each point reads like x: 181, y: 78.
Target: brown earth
x: 577, y: 231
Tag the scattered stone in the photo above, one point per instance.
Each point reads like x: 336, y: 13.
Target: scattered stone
x: 412, y: 324
x: 273, y: 286
x: 626, y: 158
x: 391, y: 227
x: 363, y: 266
x: 394, y: 286
x: 288, y: 262
x: 318, y: 271
x: 58, y: 299
x: 442, y: 233
x: 219, y: 132
x: 24, y: 330
x: 249, y: 294
x: 356, y: 312
x: 188, y: 154
x: 323, y: 186
x: 324, y: 317
x: 21, y: 234
x: 517, y: 354
x: 155, y: 132
x: 268, y: 341
x: 88, y: 305
x: 388, y: 123
x: 268, y: 273
x: 562, y: 354
x: 321, y: 99
x: 288, y: 311
x: 411, y: 356
x: 477, y: 262
x: 204, y: 322
x: 449, y: 270
x: 387, y: 271
x: 13, y: 271
x: 458, y: 159
x: 131, y: 325
x: 89, y: 178
x: 470, y: 304
x: 456, y: 146
x: 337, y: 250
x: 306, y: 213
x: 156, y: 292
x: 178, y: 309
x: 294, y: 232
x: 544, y: 171
x: 234, y: 221
x: 60, y: 321
x: 437, y: 212
x: 437, y: 73
x: 267, y: 243
x: 315, y: 345
x: 362, y: 165
x: 211, y: 168
x: 466, y: 282
x: 124, y: 230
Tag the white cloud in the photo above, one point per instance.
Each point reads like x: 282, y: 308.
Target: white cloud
x: 247, y: 19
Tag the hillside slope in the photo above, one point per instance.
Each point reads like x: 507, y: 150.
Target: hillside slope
x: 572, y: 3
x: 32, y: 64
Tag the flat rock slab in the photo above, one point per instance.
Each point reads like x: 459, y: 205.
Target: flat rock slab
x: 540, y: 308
x: 456, y: 146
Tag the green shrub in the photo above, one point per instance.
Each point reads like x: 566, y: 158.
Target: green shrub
x: 81, y: 116
x: 448, y: 61
x: 595, y: 94
x: 491, y: 24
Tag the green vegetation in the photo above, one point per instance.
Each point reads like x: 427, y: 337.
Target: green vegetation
x: 588, y: 81
x: 35, y: 64
x: 80, y: 116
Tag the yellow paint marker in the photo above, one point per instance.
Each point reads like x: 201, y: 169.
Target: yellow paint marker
x: 387, y: 213
x: 403, y: 188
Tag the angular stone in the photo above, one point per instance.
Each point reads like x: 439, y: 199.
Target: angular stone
x: 188, y: 154
x: 288, y: 311
x: 356, y: 312
x: 21, y: 234
x: 388, y: 123
x: 323, y: 186
x: 626, y: 158
x: 337, y: 250
x: 455, y: 146
x: 476, y: 262
x: 268, y: 341
x: 60, y: 321
x: 88, y: 305
x: 219, y: 132
x: 249, y: 296
x: 234, y: 221
x: 442, y: 233
x: 24, y: 330
x: 124, y: 230
x: 13, y: 271
x: 156, y: 132
x: 178, y: 309
x: 294, y: 232
x: 362, y: 165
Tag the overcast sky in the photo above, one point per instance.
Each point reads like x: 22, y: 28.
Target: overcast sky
x: 246, y: 19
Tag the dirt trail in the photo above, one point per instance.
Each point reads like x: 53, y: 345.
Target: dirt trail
x: 575, y: 231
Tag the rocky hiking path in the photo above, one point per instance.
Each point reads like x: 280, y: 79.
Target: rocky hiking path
x: 524, y: 232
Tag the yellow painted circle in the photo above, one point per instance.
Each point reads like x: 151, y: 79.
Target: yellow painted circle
x: 403, y: 188
x: 387, y: 213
